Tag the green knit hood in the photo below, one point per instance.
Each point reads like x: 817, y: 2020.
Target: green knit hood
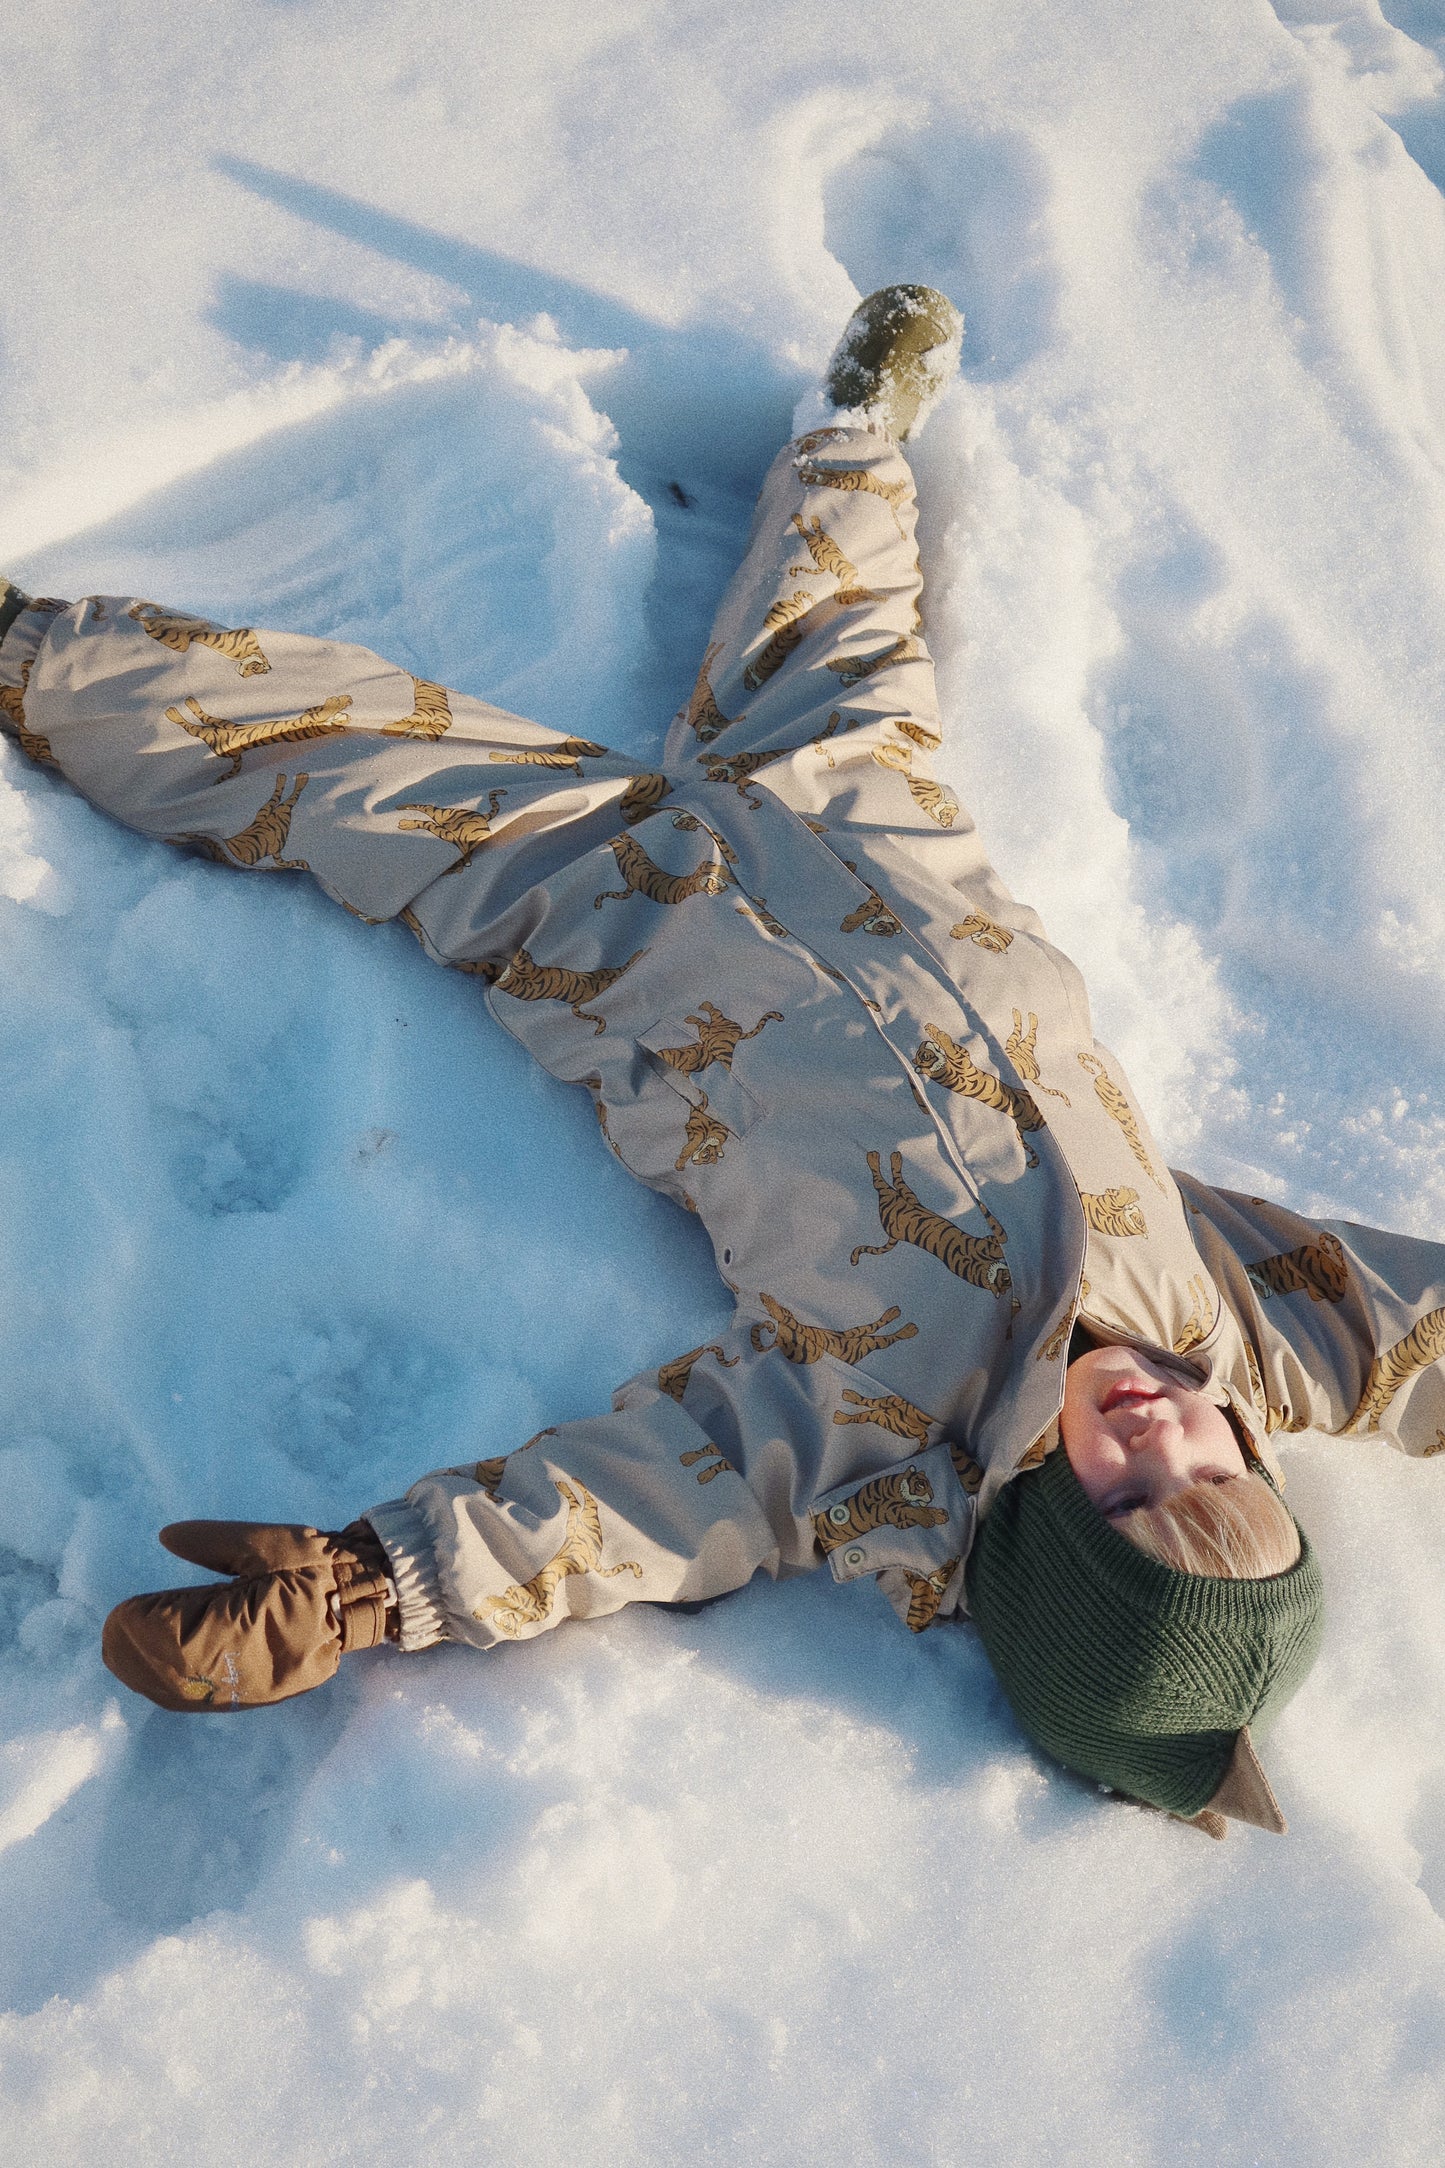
x: 1126, y: 1670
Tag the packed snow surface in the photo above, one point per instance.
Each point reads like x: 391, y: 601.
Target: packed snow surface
x: 467, y: 330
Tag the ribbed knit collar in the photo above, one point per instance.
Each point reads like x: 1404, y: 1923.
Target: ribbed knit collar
x: 1129, y: 1671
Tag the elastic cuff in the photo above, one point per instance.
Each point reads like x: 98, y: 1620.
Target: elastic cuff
x: 815, y: 412
x: 403, y: 1535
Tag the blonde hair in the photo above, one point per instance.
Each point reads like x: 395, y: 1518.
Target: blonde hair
x: 1236, y: 1531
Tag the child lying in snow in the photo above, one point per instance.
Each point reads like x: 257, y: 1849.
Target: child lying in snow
x: 806, y: 1008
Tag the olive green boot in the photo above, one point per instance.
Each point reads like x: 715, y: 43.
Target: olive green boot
x: 898, y: 352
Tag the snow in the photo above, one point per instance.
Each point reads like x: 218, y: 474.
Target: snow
x: 399, y: 322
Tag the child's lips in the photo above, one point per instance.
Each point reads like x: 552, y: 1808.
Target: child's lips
x: 1125, y: 1394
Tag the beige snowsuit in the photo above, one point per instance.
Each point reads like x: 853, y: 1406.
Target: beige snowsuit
x: 807, y: 1009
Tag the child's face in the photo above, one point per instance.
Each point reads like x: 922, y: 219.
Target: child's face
x: 1135, y: 1433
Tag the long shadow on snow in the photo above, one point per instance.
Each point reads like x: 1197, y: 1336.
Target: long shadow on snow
x: 397, y: 520
x: 699, y: 411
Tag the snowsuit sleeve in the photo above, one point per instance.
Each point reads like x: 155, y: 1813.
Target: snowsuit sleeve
x: 1346, y: 1324
x: 727, y: 1461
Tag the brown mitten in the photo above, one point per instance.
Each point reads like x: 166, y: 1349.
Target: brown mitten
x: 299, y: 1601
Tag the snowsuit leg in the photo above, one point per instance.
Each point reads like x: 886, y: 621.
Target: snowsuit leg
x: 817, y: 681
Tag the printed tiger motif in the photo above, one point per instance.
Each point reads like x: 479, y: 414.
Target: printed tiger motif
x: 718, y: 1039
x: 1422, y: 1345
x: 673, y: 1377
x: 978, y: 1259
x: 232, y: 740
x: 801, y: 1343
x: 705, y: 1138
x: 569, y: 755
x: 815, y: 440
x: 461, y: 826
x: 717, y: 1461
x: 828, y: 558
x: 968, y: 1470
x: 900, y: 1500
x: 430, y: 717
x: 32, y: 743
x: 1438, y: 1446
x: 852, y: 479
x: 834, y: 727
x: 932, y: 798
x: 593, y: 1084
x: 871, y: 916
x: 1019, y: 1047
x: 944, y: 1062
x: 1316, y: 1268
x: 987, y: 933
x: 526, y: 980
x: 176, y: 631
x: 785, y: 623
x: 702, y: 714
x: 1115, y: 1104
x: 913, y: 727
x: 264, y: 838
x: 690, y: 823
x: 1113, y: 1212
x: 1058, y: 1339
x: 1039, y: 1451
x: 580, y: 1552
x: 1200, y: 1322
x: 740, y: 768
x: 645, y: 878
x: 643, y: 795
x: 488, y: 1473
x: 756, y: 908
x: 891, y: 1412
x: 851, y: 670
x: 926, y: 1594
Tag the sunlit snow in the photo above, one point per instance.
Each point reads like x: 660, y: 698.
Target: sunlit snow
x: 468, y: 331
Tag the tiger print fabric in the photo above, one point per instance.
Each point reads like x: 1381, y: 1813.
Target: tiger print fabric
x: 804, y: 1007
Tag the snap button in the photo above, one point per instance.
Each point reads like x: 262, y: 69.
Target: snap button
x: 839, y: 1514
x: 853, y: 1556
